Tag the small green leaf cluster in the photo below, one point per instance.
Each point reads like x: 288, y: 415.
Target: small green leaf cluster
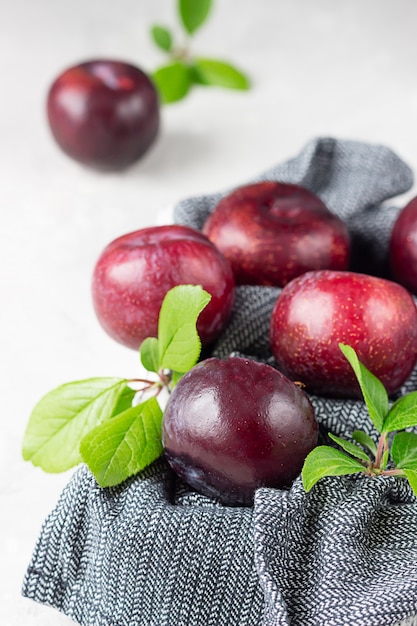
x: 397, y: 457
x: 96, y: 421
x: 182, y: 71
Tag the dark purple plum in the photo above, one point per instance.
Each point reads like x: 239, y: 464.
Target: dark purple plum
x: 104, y: 113
x: 317, y: 311
x: 272, y: 232
x: 233, y: 425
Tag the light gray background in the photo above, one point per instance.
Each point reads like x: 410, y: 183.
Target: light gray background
x: 327, y: 67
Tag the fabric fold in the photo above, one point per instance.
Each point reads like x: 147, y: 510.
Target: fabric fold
x: 346, y: 553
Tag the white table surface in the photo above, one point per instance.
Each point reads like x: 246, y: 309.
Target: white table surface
x: 346, y: 69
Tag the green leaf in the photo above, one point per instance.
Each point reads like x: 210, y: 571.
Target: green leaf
x: 61, y: 419
x: 173, y: 81
x: 411, y: 476
x: 179, y: 343
x: 125, y: 400
x: 327, y: 461
x: 149, y: 354
x: 220, y: 74
x: 384, y: 460
x: 350, y: 447
x: 403, y: 413
x: 365, y: 440
x: 125, y: 445
x: 193, y: 13
x: 374, y: 392
x: 404, y: 450
x: 176, y: 376
x: 162, y: 37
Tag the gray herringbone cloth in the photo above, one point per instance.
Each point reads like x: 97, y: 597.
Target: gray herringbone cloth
x: 155, y: 553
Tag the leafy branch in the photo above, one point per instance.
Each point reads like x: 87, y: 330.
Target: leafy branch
x: 97, y: 420
x: 183, y: 70
x: 363, y: 455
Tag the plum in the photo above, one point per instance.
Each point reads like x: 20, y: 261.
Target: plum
x: 135, y: 271
x: 317, y: 311
x: 232, y: 425
x: 104, y: 113
x: 403, y: 247
x: 272, y: 232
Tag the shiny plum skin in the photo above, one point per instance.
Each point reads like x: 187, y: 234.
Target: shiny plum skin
x: 233, y: 425
x: 135, y: 271
x: 103, y: 113
x: 272, y: 232
x: 316, y: 311
x: 403, y: 247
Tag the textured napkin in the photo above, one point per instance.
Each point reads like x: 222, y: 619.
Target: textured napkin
x: 154, y: 553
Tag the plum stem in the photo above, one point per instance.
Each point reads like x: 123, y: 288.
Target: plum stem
x: 393, y: 472
x: 181, y: 54
x: 382, y: 446
x: 142, y: 380
x: 165, y: 378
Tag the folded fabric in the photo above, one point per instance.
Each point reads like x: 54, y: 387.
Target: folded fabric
x: 148, y: 553
x: 152, y: 552
x: 344, y: 554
